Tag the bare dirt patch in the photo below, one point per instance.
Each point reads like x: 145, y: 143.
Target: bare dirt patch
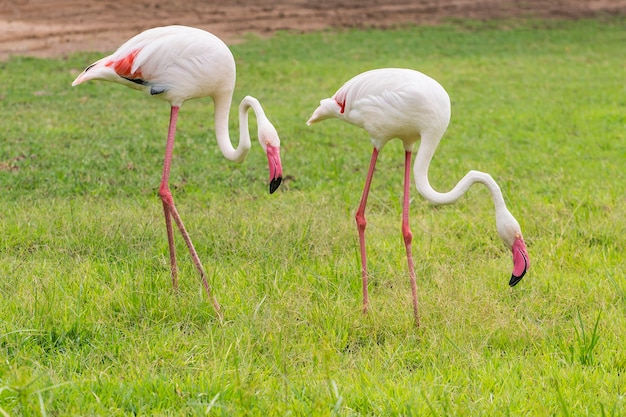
x: 53, y: 28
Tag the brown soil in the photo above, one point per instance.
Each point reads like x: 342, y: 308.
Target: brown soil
x: 49, y: 28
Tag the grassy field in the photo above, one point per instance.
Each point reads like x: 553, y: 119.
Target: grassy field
x: 89, y: 323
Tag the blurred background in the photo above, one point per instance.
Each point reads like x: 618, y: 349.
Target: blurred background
x: 53, y: 28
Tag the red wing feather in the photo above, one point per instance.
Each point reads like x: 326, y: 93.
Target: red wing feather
x: 123, y: 67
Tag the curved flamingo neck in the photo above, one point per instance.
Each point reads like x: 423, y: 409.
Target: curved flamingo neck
x: 222, y: 110
x: 422, y: 162
x: 250, y: 102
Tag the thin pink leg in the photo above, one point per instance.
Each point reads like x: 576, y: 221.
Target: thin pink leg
x: 361, y: 223
x: 170, y: 212
x: 166, y: 195
x: 408, y: 236
x: 170, y: 242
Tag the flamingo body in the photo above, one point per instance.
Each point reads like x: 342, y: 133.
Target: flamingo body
x: 172, y: 63
x: 401, y: 103
x: 389, y: 103
x: 175, y: 64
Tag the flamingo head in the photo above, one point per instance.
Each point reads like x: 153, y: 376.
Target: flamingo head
x: 270, y: 142
x: 327, y: 109
x: 521, y: 262
x: 511, y: 234
x: 268, y: 139
x: 97, y: 71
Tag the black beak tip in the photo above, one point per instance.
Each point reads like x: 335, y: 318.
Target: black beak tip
x: 515, y: 279
x: 275, y: 183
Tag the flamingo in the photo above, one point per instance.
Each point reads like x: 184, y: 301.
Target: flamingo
x: 175, y: 64
x: 402, y: 103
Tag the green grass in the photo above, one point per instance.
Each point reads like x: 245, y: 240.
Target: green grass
x: 89, y: 324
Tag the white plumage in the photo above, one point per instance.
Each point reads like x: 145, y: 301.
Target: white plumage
x: 172, y: 63
x: 401, y: 103
x: 175, y: 64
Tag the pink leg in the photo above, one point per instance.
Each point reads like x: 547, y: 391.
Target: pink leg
x: 408, y: 236
x: 166, y: 195
x: 170, y: 242
x: 361, y: 223
x: 170, y: 212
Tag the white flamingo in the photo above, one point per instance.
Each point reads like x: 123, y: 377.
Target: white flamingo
x: 406, y: 104
x: 175, y: 64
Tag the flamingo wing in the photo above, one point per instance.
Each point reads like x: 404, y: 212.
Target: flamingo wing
x: 174, y: 63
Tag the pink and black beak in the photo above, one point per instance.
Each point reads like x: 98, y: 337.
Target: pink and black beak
x: 275, y: 166
x: 521, y: 261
